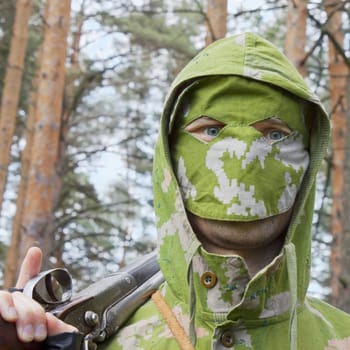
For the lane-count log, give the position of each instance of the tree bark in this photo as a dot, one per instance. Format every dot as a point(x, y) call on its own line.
point(12, 262)
point(39, 200)
point(12, 87)
point(339, 84)
point(70, 87)
point(296, 34)
point(216, 21)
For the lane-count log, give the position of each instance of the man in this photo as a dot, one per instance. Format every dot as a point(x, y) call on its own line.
point(241, 141)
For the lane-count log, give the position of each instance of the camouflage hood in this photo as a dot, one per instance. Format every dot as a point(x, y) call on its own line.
point(213, 298)
point(275, 292)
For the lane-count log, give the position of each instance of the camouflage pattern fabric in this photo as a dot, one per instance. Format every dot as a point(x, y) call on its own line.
point(239, 175)
point(219, 304)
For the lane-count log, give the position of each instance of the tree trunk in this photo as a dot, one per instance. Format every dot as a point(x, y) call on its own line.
point(296, 34)
point(340, 228)
point(39, 200)
point(71, 79)
point(216, 20)
point(12, 262)
point(12, 87)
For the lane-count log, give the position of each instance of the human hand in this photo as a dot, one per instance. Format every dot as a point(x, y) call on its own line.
point(32, 323)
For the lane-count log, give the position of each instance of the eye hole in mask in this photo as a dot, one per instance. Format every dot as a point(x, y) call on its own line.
point(206, 129)
point(273, 129)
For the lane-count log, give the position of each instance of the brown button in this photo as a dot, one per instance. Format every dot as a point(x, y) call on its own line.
point(208, 279)
point(227, 339)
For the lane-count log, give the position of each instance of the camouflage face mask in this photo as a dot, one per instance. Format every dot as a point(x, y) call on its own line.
point(239, 175)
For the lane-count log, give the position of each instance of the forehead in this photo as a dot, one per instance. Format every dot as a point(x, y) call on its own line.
point(238, 101)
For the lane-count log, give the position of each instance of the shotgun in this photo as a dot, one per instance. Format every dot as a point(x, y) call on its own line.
point(97, 311)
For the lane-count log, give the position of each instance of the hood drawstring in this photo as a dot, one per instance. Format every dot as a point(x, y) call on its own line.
point(292, 279)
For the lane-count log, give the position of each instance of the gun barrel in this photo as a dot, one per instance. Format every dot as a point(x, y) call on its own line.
point(101, 296)
point(117, 314)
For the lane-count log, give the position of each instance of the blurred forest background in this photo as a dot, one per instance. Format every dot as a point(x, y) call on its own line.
point(82, 84)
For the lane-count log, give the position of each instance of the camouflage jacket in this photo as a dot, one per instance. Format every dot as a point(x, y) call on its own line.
point(269, 310)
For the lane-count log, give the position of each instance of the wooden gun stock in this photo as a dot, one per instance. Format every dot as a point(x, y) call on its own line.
point(10, 341)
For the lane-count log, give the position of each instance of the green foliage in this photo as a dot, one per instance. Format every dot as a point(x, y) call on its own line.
point(81, 231)
point(153, 33)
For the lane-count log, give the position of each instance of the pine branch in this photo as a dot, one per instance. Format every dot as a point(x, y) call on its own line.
point(323, 27)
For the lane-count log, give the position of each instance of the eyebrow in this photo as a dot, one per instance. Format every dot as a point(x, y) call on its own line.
point(201, 119)
point(275, 122)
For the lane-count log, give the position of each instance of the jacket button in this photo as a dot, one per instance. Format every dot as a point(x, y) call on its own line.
point(208, 279)
point(227, 339)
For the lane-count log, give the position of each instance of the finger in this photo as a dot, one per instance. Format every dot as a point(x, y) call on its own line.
point(30, 267)
point(31, 320)
point(7, 307)
point(56, 326)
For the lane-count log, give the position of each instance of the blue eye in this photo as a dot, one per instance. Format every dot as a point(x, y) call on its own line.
point(213, 131)
point(275, 135)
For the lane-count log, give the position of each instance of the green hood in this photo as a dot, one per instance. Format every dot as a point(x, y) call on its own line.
point(213, 297)
point(285, 281)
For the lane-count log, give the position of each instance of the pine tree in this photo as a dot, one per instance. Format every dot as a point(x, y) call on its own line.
point(216, 20)
point(12, 86)
point(339, 83)
point(296, 34)
point(39, 200)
